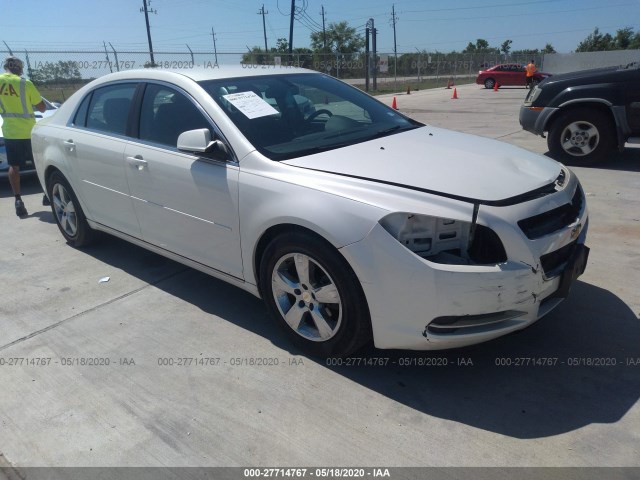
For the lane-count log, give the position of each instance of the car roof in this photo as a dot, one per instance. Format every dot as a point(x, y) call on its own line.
point(201, 74)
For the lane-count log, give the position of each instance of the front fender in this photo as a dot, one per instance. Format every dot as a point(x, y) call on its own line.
point(268, 201)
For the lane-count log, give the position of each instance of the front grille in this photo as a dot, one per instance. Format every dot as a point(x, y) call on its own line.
point(552, 262)
point(553, 220)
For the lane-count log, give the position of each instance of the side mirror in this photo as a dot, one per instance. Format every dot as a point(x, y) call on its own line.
point(199, 141)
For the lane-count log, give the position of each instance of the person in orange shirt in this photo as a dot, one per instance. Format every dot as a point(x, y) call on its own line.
point(530, 69)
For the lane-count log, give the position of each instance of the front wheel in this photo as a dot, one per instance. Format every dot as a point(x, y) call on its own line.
point(68, 213)
point(314, 296)
point(581, 137)
point(489, 83)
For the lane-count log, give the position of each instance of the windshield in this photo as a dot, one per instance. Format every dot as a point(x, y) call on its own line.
point(288, 116)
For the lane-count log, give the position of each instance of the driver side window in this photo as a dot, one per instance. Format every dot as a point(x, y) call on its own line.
point(166, 113)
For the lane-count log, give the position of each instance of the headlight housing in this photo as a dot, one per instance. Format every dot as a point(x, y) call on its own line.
point(533, 95)
point(445, 240)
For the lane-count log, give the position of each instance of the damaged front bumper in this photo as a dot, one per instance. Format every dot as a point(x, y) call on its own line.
point(418, 304)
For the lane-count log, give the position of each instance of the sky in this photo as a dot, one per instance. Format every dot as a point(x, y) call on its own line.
point(421, 24)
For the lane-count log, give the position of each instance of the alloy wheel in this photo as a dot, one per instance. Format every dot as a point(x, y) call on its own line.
point(580, 138)
point(65, 210)
point(306, 297)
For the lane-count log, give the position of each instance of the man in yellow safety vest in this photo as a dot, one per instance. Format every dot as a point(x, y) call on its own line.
point(18, 98)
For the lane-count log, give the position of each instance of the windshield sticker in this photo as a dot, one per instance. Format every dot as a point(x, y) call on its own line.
point(250, 104)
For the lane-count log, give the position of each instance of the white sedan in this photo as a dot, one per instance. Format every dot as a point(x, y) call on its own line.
point(352, 222)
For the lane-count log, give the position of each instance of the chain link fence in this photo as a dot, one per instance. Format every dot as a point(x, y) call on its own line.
point(60, 73)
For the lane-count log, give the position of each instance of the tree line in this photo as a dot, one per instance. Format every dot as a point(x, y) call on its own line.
point(340, 38)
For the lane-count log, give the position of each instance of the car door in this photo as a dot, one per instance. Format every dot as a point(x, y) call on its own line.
point(185, 203)
point(632, 92)
point(512, 75)
point(504, 76)
point(94, 145)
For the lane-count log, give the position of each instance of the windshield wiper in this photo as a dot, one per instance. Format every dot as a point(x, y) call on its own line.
point(346, 132)
point(288, 155)
point(395, 128)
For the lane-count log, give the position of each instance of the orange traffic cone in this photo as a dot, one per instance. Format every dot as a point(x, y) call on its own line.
point(408, 89)
point(450, 83)
point(455, 94)
point(496, 86)
point(394, 105)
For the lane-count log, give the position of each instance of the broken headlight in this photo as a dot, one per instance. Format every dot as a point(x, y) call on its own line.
point(445, 240)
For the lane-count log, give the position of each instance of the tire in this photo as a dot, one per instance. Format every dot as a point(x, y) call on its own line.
point(325, 314)
point(489, 83)
point(67, 211)
point(581, 137)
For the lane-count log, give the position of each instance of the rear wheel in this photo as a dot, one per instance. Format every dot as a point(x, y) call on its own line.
point(314, 296)
point(581, 137)
point(68, 213)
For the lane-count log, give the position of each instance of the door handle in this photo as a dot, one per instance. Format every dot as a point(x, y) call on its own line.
point(137, 161)
point(69, 144)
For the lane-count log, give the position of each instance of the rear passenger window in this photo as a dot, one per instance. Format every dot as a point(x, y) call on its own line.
point(109, 108)
point(80, 120)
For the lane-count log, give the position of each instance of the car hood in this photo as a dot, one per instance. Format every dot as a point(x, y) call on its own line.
point(441, 161)
point(587, 76)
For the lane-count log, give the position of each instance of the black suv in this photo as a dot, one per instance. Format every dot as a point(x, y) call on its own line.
point(588, 114)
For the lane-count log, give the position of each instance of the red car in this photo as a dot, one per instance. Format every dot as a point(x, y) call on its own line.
point(508, 74)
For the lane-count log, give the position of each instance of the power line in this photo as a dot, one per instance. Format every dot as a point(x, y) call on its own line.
point(480, 6)
point(306, 23)
point(527, 14)
point(305, 15)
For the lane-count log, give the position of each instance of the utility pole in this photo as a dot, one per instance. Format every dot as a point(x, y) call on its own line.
point(372, 65)
point(293, 12)
point(367, 57)
point(394, 20)
point(374, 34)
point(264, 27)
point(324, 31)
point(215, 50)
point(146, 10)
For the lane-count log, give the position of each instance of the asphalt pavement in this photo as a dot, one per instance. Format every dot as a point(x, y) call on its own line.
point(163, 366)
